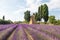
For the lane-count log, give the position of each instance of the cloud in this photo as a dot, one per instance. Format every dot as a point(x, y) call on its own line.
point(14, 9)
point(32, 5)
point(54, 4)
point(11, 9)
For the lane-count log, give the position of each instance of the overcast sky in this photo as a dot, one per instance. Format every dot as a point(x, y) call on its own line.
point(14, 9)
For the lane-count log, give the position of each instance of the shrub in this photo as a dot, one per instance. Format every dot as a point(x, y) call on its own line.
point(5, 22)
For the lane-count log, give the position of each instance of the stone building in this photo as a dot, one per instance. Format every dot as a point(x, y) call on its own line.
point(32, 19)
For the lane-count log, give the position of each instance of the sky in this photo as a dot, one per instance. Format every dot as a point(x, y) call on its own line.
point(14, 9)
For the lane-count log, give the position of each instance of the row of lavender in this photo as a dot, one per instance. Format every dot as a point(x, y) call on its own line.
point(29, 32)
point(47, 32)
point(6, 30)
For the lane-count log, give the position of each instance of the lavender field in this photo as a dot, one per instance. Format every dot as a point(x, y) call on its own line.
point(29, 32)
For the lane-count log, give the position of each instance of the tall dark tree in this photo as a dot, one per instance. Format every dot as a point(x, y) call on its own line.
point(45, 12)
point(41, 11)
point(39, 14)
point(36, 16)
point(27, 16)
point(3, 17)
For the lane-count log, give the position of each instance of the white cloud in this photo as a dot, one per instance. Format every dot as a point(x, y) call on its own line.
point(7, 8)
point(53, 4)
point(32, 5)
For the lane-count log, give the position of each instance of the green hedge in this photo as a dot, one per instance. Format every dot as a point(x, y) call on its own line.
point(5, 22)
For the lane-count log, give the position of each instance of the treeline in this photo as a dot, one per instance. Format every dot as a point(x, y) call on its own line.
point(3, 21)
point(52, 20)
point(42, 13)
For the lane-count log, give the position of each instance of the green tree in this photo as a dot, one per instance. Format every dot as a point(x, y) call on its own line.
point(57, 22)
point(45, 13)
point(39, 14)
point(5, 21)
point(3, 17)
point(27, 16)
point(52, 19)
point(41, 11)
point(36, 16)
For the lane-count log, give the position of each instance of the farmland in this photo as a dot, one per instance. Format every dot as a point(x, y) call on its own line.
point(29, 32)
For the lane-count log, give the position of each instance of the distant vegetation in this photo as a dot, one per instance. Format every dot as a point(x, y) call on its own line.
point(3, 21)
point(27, 16)
point(17, 22)
point(43, 12)
point(52, 20)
